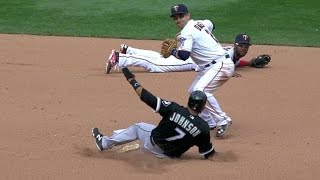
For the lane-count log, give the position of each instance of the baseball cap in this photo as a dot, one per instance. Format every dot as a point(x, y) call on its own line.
point(178, 9)
point(242, 39)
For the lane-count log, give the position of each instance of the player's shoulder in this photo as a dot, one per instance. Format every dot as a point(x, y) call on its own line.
point(169, 104)
point(202, 124)
point(189, 26)
point(205, 22)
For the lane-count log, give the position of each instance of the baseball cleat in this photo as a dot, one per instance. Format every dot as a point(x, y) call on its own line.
point(112, 61)
point(98, 138)
point(222, 130)
point(123, 48)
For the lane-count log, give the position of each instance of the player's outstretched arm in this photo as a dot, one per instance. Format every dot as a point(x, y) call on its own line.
point(144, 95)
point(243, 63)
point(131, 79)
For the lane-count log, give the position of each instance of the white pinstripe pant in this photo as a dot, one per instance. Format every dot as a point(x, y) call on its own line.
point(209, 80)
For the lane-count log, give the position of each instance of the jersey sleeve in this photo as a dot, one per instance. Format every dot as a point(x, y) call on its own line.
point(186, 40)
point(236, 63)
point(149, 99)
point(165, 107)
point(208, 24)
point(230, 51)
point(161, 106)
point(205, 146)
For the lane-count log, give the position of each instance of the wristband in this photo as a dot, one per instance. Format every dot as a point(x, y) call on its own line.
point(134, 83)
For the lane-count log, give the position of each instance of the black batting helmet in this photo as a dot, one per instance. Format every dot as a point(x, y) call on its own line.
point(197, 101)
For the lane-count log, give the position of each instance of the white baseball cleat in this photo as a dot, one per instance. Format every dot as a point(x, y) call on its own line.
point(222, 130)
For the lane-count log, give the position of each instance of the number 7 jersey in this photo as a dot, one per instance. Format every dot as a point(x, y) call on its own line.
point(179, 130)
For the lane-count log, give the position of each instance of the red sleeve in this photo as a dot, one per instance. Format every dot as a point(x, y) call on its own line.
point(243, 63)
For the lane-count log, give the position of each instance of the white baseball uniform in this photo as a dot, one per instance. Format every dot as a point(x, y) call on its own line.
point(153, 61)
point(216, 67)
point(230, 51)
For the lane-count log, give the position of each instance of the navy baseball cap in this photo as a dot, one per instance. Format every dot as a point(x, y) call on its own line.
point(243, 39)
point(179, 9)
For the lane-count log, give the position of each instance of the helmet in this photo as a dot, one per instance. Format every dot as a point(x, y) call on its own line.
point(197, 101)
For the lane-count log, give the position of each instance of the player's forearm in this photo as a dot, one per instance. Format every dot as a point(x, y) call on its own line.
point(138, 89)
point(243, 63)
point(144, 94)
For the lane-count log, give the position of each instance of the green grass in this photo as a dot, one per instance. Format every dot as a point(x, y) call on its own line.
point(281, 22)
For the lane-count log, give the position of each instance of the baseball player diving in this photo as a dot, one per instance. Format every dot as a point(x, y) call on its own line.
point(154, 62)
point(179, 129)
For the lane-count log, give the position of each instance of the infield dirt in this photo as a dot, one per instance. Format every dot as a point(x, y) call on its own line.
point(53, 90)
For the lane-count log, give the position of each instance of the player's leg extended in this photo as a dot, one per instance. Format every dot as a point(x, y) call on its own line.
point(170, 64)
point(148, 63)
point(139, 131)
point(155, 64)
point(142, 52)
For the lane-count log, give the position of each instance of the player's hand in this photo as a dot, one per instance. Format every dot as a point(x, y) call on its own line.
point(210, 154)
point(127, 74)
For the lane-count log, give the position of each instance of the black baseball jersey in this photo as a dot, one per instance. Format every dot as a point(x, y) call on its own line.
point(178, 130)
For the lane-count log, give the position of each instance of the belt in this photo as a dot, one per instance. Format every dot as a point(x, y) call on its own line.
point(213, 62)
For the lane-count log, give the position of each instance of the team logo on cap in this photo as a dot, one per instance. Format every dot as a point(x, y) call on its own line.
point(245, 37)
point(175, 7)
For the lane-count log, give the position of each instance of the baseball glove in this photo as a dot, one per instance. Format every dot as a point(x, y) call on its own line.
point(167, 46)
point(260, 61)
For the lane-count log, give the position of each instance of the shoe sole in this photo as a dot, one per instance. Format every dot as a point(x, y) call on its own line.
point(109, 66)
point(225, 131)
point(98, 147)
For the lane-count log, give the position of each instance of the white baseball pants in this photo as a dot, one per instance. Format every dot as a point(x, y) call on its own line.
point(153, 62)
point(209, 80)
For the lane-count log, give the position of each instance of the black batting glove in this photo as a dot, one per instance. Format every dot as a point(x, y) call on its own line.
point(127, 73)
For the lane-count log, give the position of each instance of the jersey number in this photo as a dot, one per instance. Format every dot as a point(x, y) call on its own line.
point(180, 135)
